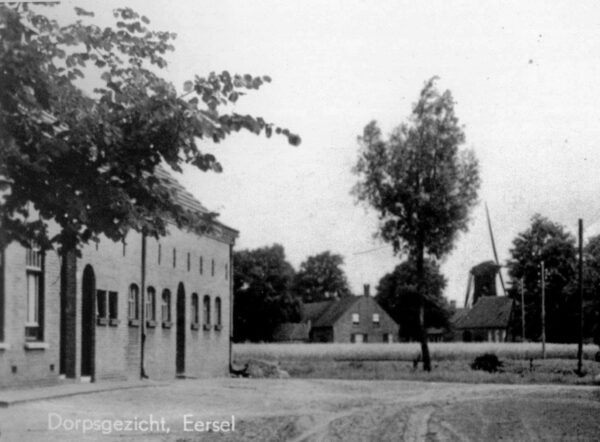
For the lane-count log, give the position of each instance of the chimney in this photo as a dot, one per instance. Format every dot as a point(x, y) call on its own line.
point(367, 290)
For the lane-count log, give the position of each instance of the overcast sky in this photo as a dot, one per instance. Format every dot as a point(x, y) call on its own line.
point(525, 77)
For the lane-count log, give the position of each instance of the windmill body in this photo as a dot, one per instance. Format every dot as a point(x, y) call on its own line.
point(482, 277)
point(486, 315)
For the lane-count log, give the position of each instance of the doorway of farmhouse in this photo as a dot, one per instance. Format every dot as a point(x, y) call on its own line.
point(88, 323)
point(180, 337)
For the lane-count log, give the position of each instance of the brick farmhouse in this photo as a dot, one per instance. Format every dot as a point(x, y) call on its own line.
point(143, 307)
point(349, 319)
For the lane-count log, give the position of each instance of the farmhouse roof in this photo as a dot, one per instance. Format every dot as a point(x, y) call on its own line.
point(488, 312)
point(185, 199)
point(182, 196)
point(311, 311)
point(326, 313)
point(458, 316)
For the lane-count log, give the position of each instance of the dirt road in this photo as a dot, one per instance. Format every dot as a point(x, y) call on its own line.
point(314, 410)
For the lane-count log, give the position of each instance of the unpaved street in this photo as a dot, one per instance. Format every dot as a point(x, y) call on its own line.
point(317, 410)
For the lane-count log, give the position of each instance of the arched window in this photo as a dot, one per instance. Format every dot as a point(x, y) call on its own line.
point(150, 304)
point(195, 309)
point(206, 312)
point(134, 294)
point(166, 306)
point(218, 323)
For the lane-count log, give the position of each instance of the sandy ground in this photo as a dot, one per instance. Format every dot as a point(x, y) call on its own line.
point(317, 410)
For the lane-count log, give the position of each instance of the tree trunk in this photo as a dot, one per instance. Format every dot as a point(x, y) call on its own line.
point(420, 290)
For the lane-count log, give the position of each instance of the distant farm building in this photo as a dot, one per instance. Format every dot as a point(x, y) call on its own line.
point(488, 320)
point(349, 319)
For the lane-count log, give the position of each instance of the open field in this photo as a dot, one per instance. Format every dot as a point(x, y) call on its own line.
point(302, 410)
point(408, 351)
point(522, 363)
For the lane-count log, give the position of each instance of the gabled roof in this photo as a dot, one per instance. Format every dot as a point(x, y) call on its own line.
point(458, 316)
point(488, 312)
point(185, 199)
point(311, 311)
point(326, 313)
point(182, 196)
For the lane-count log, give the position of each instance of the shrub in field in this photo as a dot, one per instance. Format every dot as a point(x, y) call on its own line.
point(488, 362)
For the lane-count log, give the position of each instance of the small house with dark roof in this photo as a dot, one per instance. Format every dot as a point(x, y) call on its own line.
point(349, 319)
point(488, 320)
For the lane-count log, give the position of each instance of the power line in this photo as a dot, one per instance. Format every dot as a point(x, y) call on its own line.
point(371, 250)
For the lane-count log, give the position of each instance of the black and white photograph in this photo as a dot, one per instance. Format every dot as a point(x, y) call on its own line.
point(303, 221)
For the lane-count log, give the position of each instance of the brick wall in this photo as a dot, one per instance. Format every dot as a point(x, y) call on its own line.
point(117, 351)
point(206, 351)
point(20, 365)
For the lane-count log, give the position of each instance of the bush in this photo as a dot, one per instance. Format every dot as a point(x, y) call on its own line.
point(488, 362)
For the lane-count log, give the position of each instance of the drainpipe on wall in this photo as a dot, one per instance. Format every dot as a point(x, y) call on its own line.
point(230, 307)
point(143, 310)
point(2, 301)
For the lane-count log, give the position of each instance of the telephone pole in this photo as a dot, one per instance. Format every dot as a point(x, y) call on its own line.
point(580, 283)
point(543, 312)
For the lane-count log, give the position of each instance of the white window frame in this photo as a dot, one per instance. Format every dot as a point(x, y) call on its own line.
point(218, 311)
point(166, 305)
point(34, 283)
point(206, 319)
point(355, 318)
point(101, 299)
point(132, 302)
point(195, 308)
point(112, 300)
point(150, 304)
point(33, 298)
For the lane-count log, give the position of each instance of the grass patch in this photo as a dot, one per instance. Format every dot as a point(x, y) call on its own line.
point(522, 363)
point(513, 372)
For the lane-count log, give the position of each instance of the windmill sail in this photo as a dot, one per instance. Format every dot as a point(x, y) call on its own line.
point(487, 212)
point(468, 290)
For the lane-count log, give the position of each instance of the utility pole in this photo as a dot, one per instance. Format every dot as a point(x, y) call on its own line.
point(580, 343)
point(543, 312)
point(522, 290)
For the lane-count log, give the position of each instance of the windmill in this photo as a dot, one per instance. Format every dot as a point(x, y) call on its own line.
point(482, 277)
